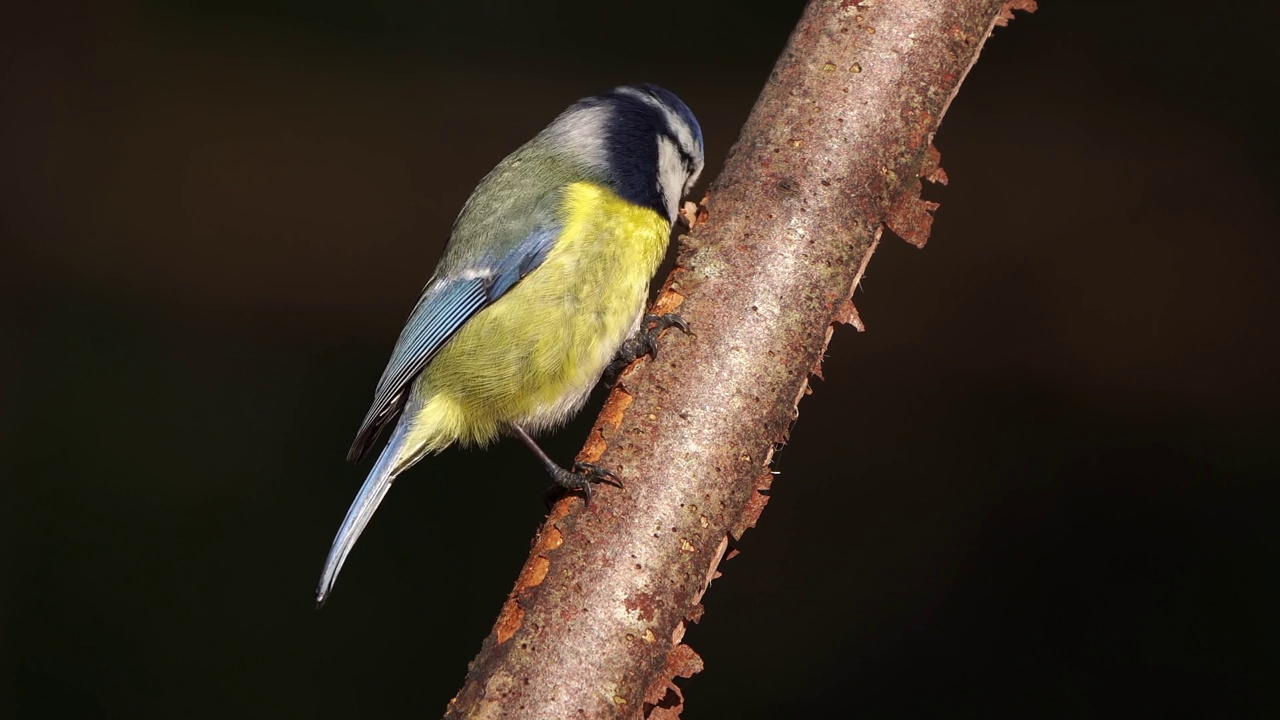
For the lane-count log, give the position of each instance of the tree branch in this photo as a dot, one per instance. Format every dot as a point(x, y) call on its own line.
point(832, 153)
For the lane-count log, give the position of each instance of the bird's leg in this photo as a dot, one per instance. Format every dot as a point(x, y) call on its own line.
point(644, 342)
point(579, 478)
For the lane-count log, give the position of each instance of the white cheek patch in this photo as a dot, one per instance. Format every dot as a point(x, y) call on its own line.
point(584, 131)
point(671, 178)
point(693, 178)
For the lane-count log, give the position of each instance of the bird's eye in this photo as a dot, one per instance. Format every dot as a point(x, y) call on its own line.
point(686, 160)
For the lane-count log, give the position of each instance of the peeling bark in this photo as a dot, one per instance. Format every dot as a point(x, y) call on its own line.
point(832, 154)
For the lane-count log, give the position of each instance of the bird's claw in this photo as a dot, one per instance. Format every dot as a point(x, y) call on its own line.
point(666, 320)
point(580, 479)
point(644, 342)
point(597, 474)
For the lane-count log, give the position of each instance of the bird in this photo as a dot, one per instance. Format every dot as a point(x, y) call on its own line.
point(542, 285)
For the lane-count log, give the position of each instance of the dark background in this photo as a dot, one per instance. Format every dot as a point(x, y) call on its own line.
point(1037, 486)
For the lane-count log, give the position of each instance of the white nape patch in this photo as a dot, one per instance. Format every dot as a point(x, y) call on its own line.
point(583, 131)
point(677, 124)
point(671, 175)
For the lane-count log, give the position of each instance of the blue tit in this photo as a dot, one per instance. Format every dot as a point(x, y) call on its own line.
point(545, 277)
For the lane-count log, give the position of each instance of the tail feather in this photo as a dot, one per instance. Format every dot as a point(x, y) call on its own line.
point(362, 508)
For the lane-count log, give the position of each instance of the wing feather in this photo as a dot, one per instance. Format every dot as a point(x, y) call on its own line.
point(445, 306)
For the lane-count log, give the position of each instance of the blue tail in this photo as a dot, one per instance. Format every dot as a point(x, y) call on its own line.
point(362, 508)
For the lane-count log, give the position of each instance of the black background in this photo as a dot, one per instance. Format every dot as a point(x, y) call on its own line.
point(1035, 487)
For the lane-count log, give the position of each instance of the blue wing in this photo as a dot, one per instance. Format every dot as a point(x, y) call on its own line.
point(448, 301)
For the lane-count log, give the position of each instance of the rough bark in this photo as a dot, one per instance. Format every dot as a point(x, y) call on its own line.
point(832, 154)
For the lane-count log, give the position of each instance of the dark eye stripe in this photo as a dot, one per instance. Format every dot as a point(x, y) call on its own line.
point(686, 158)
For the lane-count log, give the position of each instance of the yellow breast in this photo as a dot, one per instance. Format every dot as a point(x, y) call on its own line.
point(533, 356)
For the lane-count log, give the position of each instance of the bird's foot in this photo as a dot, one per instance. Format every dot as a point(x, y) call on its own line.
point(644, 342)
point(580, 478)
